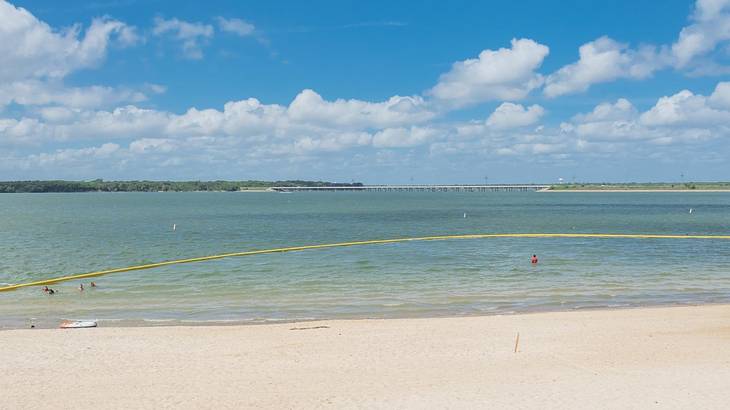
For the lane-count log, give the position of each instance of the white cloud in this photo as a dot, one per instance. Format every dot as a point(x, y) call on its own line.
point(711, 26)
point(36, 58)
point(311, 107)
point(25, 131)
point(255, 131)
point(235, 26)
point(684, 118)
point(504, 74)
point(152, 145)
point(308, 116)
point(403, 137)
point(56, 114)
point(190, 34)
point(65, 157)
point(43, 52)
point(604, 59)
point(36, 92)
point(622, 109)
point(128, 36)
point(509, 115)
point(684, 108)
point(600, 61)
point(248, 133)
point(607, 121)
point(331, 142)
point(720, 98)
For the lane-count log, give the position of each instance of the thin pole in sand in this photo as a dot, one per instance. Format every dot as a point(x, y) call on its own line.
point(517, 341)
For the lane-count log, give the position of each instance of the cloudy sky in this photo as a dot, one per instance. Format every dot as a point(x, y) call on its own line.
point(423, 92)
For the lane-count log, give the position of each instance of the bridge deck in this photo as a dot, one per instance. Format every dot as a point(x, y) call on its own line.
point(413, 188)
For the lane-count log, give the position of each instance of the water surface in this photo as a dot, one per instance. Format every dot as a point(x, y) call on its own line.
point(47, 235)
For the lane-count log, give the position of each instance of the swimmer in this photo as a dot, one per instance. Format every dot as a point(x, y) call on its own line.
point(45, 289)
point(93, 285)
point(534, 260)
point(81, 287)
point(51, 291)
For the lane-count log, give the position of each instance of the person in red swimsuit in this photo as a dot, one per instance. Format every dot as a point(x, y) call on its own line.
point(534, 259)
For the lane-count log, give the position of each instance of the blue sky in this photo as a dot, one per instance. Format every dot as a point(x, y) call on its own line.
point(379, 92)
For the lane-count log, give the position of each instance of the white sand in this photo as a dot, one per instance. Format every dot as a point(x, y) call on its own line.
point(639, 358)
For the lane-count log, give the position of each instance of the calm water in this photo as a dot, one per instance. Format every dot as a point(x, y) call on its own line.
point(47, 235)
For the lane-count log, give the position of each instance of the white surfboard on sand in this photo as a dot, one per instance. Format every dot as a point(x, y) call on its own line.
point(77, 324)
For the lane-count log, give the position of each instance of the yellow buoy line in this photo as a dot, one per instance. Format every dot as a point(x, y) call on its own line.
point(343, 244)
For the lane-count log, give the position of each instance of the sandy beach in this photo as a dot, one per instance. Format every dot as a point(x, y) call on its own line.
point(674, 357)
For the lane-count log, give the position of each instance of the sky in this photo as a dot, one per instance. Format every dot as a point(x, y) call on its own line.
point(374, 92)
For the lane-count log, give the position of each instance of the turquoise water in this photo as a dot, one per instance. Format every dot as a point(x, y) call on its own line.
point(47, 235)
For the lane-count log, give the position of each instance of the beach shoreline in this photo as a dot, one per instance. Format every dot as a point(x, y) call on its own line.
point(667, 357)
point(50, 324)
point(634, 190)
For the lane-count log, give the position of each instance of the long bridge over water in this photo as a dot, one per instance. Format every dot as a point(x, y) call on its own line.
point(416, 188)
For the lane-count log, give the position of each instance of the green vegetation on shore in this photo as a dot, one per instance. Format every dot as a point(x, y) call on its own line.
point(100, 185)
point(648, 186)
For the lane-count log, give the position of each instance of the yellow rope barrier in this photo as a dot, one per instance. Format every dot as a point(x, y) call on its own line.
point(342, 244)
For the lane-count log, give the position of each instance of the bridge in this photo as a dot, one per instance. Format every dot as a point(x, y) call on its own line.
point(416, 188)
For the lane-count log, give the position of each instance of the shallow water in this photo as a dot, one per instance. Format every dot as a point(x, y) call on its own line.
point(47, 235)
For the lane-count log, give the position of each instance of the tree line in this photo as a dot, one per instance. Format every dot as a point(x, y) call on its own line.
point(99, 185)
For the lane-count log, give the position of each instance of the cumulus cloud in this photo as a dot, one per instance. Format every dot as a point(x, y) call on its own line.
point(249, 132)
point(190, 35)
point(37, 57)
point(308, 115)
point(720, 98)
point(403, 137)
point(65, 157)
point(605, 59)
point(601, 61)
point(509, 115)
point(622, 109)
point(37, 92)
point(685, 108)
point(43, 52)
point(311, 107)
point(504, 74)
point(681, 118)
point(152, 145)
point(710, 26)
point(676, 125)
point(235, 26)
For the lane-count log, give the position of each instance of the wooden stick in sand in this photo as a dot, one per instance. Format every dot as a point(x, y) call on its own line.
point(517, 341)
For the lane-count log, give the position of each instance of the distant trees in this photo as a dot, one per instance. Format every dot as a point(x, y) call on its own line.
point(99, 185)
point(644, 186)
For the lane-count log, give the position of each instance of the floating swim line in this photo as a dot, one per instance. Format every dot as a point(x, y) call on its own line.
point(357, 243)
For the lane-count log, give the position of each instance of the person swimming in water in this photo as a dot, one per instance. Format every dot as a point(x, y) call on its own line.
point(534, 260)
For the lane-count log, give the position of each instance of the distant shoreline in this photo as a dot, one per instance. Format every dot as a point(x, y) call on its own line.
point(634, 190)
point(99, 185)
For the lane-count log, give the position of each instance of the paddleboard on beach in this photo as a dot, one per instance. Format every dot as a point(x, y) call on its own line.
point(77, 324)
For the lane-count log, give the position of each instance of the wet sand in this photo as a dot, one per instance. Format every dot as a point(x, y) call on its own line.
point(674, 357)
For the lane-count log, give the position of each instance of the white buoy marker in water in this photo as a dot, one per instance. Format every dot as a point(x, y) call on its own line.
point(690, 210)
point(174, 227)
point(464, 214)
